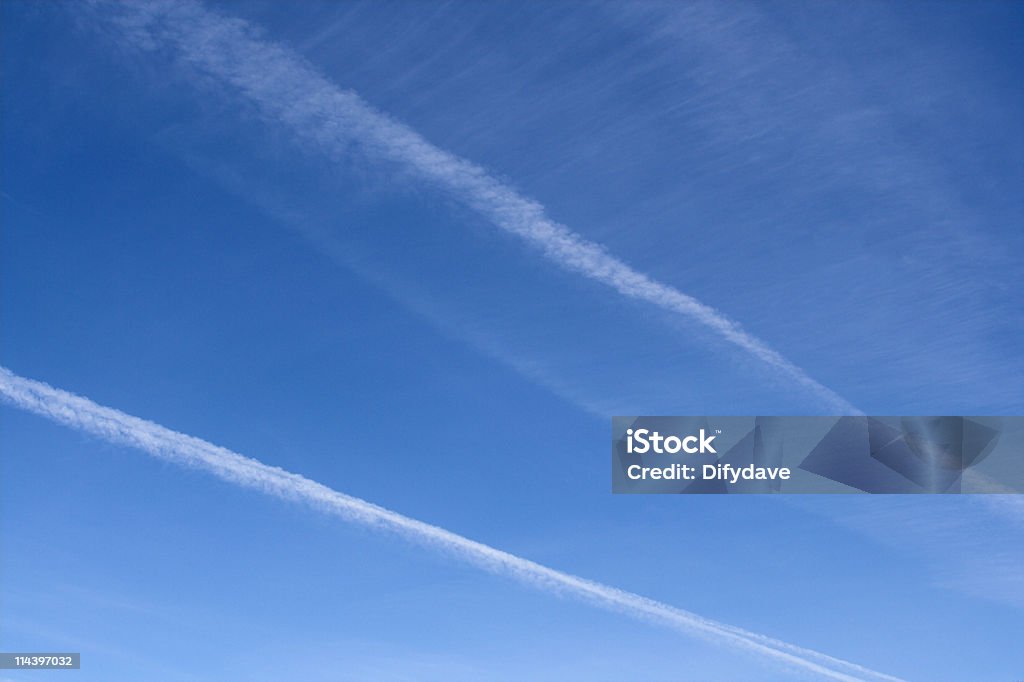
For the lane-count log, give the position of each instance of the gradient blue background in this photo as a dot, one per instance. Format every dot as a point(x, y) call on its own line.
point(842, 178)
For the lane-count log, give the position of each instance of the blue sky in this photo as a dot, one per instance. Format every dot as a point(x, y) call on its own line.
point(841, 179)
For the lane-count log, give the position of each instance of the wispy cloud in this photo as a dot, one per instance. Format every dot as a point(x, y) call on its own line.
point(881, 166)
point(339, 123)
point(117, 427)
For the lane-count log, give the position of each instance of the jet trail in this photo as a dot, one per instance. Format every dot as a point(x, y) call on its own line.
point(117, 427)
point(286, 89)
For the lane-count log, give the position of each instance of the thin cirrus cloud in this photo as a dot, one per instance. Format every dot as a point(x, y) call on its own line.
point(338, 122)
point(117, 427)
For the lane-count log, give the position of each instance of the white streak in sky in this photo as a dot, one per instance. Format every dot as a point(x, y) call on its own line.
point(117, 427)
point(288, 90)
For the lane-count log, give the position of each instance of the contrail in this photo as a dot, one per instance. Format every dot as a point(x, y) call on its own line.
point(117, 427)
point(337, 122)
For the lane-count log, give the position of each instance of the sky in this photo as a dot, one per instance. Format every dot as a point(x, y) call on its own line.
point(421, 252)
